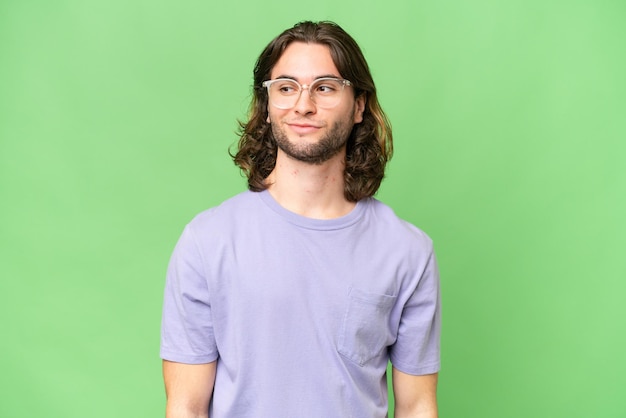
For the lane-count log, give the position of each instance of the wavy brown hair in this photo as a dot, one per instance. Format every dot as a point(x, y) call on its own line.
point(370, 144)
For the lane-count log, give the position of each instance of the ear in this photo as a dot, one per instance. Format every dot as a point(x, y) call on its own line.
point(359, 108)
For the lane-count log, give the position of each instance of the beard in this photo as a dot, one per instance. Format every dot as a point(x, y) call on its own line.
point(333, 142)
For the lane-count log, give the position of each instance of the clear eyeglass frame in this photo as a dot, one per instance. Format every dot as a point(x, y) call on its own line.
point(290, 99)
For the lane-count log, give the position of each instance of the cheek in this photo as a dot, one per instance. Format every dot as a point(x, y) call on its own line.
point(275, 114)
point(270, 116)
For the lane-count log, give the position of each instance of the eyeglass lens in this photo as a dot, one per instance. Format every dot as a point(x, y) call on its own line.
point(326, 93)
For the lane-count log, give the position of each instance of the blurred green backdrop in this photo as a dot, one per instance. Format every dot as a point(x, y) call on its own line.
point(510, 122)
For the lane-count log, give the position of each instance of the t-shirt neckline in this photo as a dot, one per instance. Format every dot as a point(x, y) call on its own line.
point(310, 223)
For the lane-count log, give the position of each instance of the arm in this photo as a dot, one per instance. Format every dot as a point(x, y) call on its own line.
point(188, 388)
point(415, 396)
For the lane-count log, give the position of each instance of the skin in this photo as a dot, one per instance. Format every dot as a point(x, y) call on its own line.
point(307, 133)
point(308, 180)
point(188, 388)
point(332, 143)
point(308, 177)
point(414, 396)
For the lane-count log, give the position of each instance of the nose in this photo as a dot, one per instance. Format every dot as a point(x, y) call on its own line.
point(305, 105)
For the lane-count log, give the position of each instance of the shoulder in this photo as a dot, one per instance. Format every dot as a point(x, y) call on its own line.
point(236, 207)
point(404, 232)
point(233, 222)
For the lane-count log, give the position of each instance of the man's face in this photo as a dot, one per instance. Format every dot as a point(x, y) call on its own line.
point(306, 132)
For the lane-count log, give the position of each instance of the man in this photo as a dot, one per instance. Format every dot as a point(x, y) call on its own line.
point(289, 299)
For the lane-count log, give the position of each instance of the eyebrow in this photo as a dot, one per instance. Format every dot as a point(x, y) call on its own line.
point(316, 78)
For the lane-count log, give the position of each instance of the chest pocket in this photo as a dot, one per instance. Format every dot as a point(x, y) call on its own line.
point(365, 330)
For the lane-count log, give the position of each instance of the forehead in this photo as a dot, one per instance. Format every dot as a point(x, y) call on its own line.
point(305, 62)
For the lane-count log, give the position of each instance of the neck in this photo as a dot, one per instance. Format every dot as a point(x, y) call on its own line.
point(314, 191)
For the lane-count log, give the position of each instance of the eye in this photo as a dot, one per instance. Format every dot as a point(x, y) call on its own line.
point(327, 87)
point(285, 87)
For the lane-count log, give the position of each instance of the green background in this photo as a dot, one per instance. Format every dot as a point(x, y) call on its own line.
point(510, 122)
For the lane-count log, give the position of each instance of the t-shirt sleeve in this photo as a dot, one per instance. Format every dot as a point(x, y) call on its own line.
point(186, 328)
point(417, 348)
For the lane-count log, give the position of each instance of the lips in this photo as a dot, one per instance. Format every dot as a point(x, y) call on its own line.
point(303, 127)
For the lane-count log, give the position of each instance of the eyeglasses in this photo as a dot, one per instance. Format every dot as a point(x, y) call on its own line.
point(325, 92)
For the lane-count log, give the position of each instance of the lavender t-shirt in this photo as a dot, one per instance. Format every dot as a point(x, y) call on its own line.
point(302, 315)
